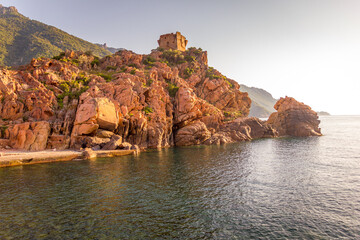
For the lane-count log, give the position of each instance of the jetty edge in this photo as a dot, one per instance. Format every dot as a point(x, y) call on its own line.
point(16, 158)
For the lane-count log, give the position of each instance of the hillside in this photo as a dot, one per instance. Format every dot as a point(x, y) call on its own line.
point(22, 39)
point(262, 104)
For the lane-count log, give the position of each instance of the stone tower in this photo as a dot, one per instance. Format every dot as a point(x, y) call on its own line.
point(174, 41)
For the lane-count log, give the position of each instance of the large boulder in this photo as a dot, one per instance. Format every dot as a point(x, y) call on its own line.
point(30, 136)
point(114, 143)
point(107, 117)
point(294, 118)
point(95, 113)
point(194, 133)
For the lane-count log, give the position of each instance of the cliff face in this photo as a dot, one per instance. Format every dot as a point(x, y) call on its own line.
point(76, 100)
point(127, 101)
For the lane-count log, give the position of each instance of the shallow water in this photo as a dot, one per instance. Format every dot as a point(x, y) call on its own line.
point(288, 188)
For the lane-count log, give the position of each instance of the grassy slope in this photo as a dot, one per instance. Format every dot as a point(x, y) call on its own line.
point(22, 39)
point(262, 101)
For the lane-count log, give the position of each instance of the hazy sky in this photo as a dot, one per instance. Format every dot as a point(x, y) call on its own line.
point(307, 49)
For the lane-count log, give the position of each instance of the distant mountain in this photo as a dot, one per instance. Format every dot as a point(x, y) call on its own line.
point(262, 104)
point(22, 39)
point(322, 113)
point(111, 49)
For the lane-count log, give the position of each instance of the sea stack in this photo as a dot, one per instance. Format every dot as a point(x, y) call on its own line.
point(294, 118)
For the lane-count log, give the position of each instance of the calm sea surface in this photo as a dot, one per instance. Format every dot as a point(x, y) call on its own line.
point(289, 188)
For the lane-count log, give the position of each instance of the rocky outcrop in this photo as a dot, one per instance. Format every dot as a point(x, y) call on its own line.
point(242, 129)
point(126, 101)
point(193, 134)
point(29, 136)
point(294, 118)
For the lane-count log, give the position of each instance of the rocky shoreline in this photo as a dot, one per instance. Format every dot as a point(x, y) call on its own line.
point(129, 101)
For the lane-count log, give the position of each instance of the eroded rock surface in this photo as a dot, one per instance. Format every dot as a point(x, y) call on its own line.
point(294, 118)
point(30, 136)
point(128, 100)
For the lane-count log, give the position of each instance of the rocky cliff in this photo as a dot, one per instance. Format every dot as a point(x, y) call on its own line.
point(125, 100)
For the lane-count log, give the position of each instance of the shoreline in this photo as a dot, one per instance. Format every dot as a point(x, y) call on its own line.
point(17, 158)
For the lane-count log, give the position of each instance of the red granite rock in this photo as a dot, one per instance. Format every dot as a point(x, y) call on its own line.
point(294, 118)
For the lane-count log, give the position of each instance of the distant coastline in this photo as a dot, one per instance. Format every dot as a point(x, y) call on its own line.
point(323, 113)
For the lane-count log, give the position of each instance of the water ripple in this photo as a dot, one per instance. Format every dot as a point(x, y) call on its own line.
point(287, 188)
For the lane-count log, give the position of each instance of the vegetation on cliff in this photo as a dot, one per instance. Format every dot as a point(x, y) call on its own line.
point(128, 100)
point(152, 100)
point(22, 39)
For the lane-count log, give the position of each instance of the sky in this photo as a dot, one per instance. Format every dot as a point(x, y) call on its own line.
point(306, 49)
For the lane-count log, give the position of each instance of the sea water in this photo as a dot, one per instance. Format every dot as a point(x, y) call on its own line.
point(286, 188)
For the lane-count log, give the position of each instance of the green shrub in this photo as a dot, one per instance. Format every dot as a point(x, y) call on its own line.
point(60, 56)
point(210, 73)
point(172, 88)
point(189, 58)
point(165, 61)
point(111, 68)
point(71, 95)
point(198, 51)
point(133, 71)
point(195, 50)
point(148, 110)
point(84, 80)
point(75, 62)
point(132, 65)
point(89, 53)
point(188, 72)
point(65, 87)
point(173, 56)
point(107, 77)
point(96, 61)
point(3, 129)
point(229, 83)
point(149, 61)
point(232, 115)
point(149, 82)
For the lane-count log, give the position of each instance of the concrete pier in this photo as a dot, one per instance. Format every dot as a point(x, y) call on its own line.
point(15, 158)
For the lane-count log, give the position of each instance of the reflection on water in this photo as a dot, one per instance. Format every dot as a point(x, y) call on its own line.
point(306, 188)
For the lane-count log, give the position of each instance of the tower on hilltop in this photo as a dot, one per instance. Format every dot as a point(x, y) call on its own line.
point(174, 41)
